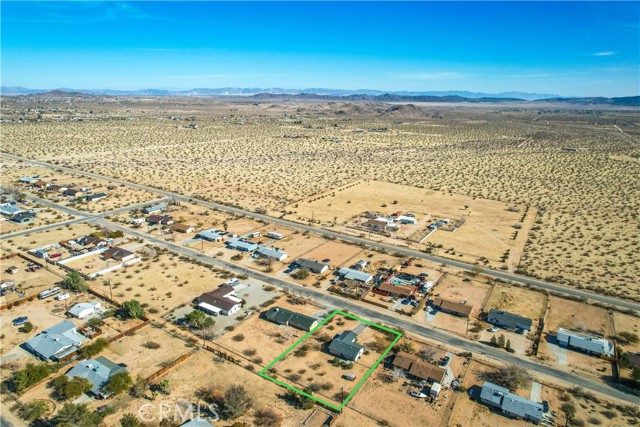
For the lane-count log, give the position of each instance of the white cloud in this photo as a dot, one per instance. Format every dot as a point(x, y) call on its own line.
point(606, 53)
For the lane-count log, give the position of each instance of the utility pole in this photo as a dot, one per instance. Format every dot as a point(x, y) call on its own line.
point(110, 290)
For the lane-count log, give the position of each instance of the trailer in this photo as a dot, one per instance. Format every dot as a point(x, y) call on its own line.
point(274, 235)
point(49, 292)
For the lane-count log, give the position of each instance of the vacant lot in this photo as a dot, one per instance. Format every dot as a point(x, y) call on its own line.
point(517, 301)
point(337, 253)
point(579, 316)
point(29, 282)
point(453, 288)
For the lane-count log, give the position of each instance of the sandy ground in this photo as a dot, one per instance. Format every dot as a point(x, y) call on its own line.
point(517, 301)
point(29, 282)
point(274, 156)
point(41, 238)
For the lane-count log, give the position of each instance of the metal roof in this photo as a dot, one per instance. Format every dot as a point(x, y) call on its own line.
point(508, 320)
point(351, 274)
point(510, 403)
point(272, 253)
point(55, 340)
point(282, 316)
point(97, 371)
point(344, 345)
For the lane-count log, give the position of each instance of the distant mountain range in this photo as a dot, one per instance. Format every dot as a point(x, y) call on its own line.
point(337, 95)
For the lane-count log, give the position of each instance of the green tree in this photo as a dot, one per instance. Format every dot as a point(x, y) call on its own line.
point(66, 388)
point(74, 282)
point(569, 412)
point(635, 374)
point(30, 375)
point(118, 384)
point(94, 348)
point(33, 411)
point(131, 310)
point(511, 377)
point(493, 341)
point(198, 320)
point(130, 420)
point(300, 274)
point(508, 347)
point(236, 402)
point(501, 341)
point(72, 415)
point(27, 327)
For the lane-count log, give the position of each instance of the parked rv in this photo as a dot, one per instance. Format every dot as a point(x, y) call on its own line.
point(49, 292)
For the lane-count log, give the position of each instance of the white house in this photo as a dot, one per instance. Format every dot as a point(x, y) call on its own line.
point(85, 309)
point(272, 253)
point(221, 301)
point(588, 343)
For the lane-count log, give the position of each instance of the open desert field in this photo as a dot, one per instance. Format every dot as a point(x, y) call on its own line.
point(41, 238)
point(272, 156)
point(516, 300)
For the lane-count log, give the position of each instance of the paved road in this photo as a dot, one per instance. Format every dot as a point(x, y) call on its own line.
point(80, 216)
point(382, 316)
point(373, 313)
point(352, 239)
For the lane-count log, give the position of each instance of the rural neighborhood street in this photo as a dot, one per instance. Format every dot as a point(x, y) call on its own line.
point(352, 239)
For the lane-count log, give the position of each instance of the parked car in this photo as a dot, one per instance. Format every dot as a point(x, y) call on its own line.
point(466, 279)
point(428, 309)
point(62, 296)
point(444, 361)
point(20, 320)
point(493, 329)
point(53, 256)
point(406, 301)
point(417, 394)
point(415, 303)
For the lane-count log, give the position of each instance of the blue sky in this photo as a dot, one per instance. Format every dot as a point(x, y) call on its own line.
point(574, 48)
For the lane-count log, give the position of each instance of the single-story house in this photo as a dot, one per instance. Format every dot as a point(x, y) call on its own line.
point(85, 309)
point(24, 217)
point(376, 225)
point(211, 235)
point(510, 404)
point(591, 344)
point(406, 219)
point(345, 347)
point(71, 192)
point(28, 179)
point(182, 228)
point(12, 270)
point(418, 368)
point(508, 320)
point(56, 187)
point(272, 253)
point(97, 371)
point(312, 265)
point(58, 343)
point(155, 208)
point(40, 184)
point(452, 307)
point(388, 288)
point(11, 209)
point(351, 274)
point(118, 254)
point(242, 245)
point(435, 389)
point(91, 242)
point(94, 197)
point(282, 316)
point(160, 220)
point(222, 300)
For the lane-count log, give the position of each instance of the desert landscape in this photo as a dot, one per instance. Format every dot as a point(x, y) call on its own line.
point(561, 166)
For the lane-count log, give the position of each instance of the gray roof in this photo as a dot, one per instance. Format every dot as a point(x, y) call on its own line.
point(510, 403)
point(242, 245)
point(312, 265)
point(351, 274)
point(584, 341)
point(56, 341)
point(21, 216)
point(344, 345)
point(9, 209)
point(211, 234)
point(155, 208)
point(508, 320)
point(271, 253)
point(282, 316)
point(96, 196)
point(81, 306)
point(97, 371)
